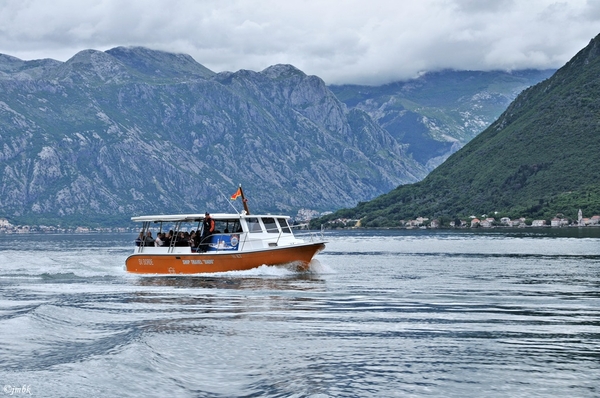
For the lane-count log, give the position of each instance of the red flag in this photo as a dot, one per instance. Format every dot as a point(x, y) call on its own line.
point(236, 194)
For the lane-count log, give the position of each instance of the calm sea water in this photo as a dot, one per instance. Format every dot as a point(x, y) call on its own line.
point(381, 314)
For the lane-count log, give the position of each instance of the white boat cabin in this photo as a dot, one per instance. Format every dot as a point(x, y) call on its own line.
point(233, 233)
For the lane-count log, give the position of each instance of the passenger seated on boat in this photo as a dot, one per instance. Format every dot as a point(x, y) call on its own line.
point(149, 239)
point(194, 239)
point(181, 241)
point(139, 239)
point(167, 238)
point(159, 241)
point(186, 236)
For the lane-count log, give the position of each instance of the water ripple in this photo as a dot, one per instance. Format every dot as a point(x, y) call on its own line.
point(382, 315)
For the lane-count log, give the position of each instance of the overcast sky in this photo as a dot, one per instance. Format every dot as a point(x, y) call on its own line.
point(341, 41)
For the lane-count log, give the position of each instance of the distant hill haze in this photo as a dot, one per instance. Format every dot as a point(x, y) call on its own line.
point(130, 131)
point(537, 160)
point(439, 112)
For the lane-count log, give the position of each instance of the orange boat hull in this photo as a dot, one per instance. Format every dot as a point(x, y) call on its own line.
point(195, 263)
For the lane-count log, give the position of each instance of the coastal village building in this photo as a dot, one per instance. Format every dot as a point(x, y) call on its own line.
point(421, 220)
point(4, 223)
point(416, 222)
point(518, 222)
point(559, 222)
point(487, 223)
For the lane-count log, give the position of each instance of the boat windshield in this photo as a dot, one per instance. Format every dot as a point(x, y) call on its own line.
point(253, 224)
point(270, 225)
point(228, 226)
point(285, 228)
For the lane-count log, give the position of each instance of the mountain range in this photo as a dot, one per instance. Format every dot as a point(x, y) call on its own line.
point(537, 160)
point(129, 131)
point(437, 113)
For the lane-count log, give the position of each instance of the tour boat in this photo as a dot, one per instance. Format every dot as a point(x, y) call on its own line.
point(236, 242)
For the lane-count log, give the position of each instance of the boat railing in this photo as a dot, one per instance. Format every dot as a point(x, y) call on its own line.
point(308, 235)
point(278, 237)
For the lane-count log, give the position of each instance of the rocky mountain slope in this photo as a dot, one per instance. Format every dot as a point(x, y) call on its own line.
point(130, 131)
point(536, 160)
point(439, 112)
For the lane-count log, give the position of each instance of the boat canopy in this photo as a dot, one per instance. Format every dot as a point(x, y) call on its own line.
point(199, 217)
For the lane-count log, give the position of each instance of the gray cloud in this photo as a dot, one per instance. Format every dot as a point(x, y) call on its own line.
point(350, 41)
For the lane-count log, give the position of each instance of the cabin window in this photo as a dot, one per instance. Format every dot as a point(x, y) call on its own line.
point(284, 225)
point(227, 226)
point(270, 225)
point(253, 225)
point(234, 226)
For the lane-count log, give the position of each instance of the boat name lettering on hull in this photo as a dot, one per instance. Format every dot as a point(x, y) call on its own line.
point(145, 261)
point(197, 262)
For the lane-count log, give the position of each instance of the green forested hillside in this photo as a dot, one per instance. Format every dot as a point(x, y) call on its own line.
point(538, 159)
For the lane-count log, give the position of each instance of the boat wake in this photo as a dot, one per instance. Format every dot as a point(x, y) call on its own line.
point(262, 271)
point(317, 267)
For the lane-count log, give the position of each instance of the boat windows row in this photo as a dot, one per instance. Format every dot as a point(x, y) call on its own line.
point(270, 225)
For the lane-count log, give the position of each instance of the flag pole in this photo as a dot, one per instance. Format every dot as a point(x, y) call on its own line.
point(230, 204)
point(244, 201)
